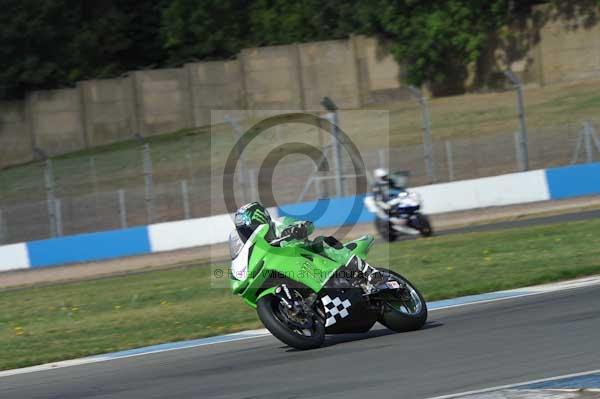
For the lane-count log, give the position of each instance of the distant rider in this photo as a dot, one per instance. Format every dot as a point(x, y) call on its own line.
point(385, 191)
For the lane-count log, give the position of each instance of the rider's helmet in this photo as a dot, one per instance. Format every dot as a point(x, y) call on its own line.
point(249, 217)
point(381, 175)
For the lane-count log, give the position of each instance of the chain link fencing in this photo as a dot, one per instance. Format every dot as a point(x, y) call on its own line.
point(173, 180)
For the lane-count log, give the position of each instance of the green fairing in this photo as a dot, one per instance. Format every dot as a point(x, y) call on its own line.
point(338, 255)
point(295, 262)
point(287, 221)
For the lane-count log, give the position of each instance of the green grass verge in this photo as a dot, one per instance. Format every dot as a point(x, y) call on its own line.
point(62, 321)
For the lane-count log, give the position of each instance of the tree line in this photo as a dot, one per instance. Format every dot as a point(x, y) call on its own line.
point(46, 44)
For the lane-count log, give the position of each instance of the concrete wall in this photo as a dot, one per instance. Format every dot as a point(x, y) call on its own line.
point(329, 68)
point(15, 134)
point(570, 45)
point(557, 44)
point(163, 101)
point(379, 75)
point(109, 109)
point(57, 120)
point(272, 77)
point(215, 85)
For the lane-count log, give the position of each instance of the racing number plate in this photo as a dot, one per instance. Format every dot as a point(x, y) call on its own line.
point(392, 284)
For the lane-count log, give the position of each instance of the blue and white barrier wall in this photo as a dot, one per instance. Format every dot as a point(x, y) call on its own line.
point(573, 181)
point(515, 188)
point(14, 256)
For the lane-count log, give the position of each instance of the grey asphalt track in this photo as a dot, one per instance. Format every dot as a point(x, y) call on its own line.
point(529, 222)
point(510, 224)
point(461, 349)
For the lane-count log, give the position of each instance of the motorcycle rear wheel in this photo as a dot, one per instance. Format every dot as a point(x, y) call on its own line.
point(273, 319)
point(426, 230)
point(412, 317)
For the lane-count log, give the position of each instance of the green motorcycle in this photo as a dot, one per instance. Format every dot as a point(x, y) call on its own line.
point(301, 294)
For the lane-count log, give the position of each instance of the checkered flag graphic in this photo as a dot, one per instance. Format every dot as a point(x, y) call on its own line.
point(335, 307)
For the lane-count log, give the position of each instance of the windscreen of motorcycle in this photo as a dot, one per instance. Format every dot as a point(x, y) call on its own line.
point(399, 179)
point(408, 200)
point(235, 244)
point(240, 254)
point(240, 251)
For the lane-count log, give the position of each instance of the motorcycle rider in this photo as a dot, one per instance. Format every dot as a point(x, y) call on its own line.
point(383, 186)
point(382, 190)
point(290, 232)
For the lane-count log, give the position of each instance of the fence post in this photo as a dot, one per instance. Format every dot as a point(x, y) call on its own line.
point(521, 111)
point(122, 208)
point(189, 160)
point(577, 149)
point(337, 153)
point(594, 136)
point(149, 193)
point(588, 139)
point(50, 199)
point(58, 214)
point(3, 232)
point(336, 145)
point(427, 144)
point(93, 174)
point(450, 159)
point(185, 199)
point(237, 137)
point(521, 162)
point(587, 135)
point(320, 184)
point(94, 177)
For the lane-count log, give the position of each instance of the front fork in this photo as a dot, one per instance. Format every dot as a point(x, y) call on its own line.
point(296, 304)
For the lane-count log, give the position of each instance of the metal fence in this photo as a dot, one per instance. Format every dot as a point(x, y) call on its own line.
point(172, 181)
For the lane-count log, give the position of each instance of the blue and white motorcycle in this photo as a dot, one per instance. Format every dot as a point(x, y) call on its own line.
point(401, 215)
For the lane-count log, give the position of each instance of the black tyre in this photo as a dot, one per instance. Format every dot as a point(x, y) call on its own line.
point(275, 321)
point(425, 226)
point(385, 230)
point(399, 315)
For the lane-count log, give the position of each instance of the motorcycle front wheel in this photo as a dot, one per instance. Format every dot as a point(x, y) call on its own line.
point(273, 315)
point(384, 228)
point(406, 313)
